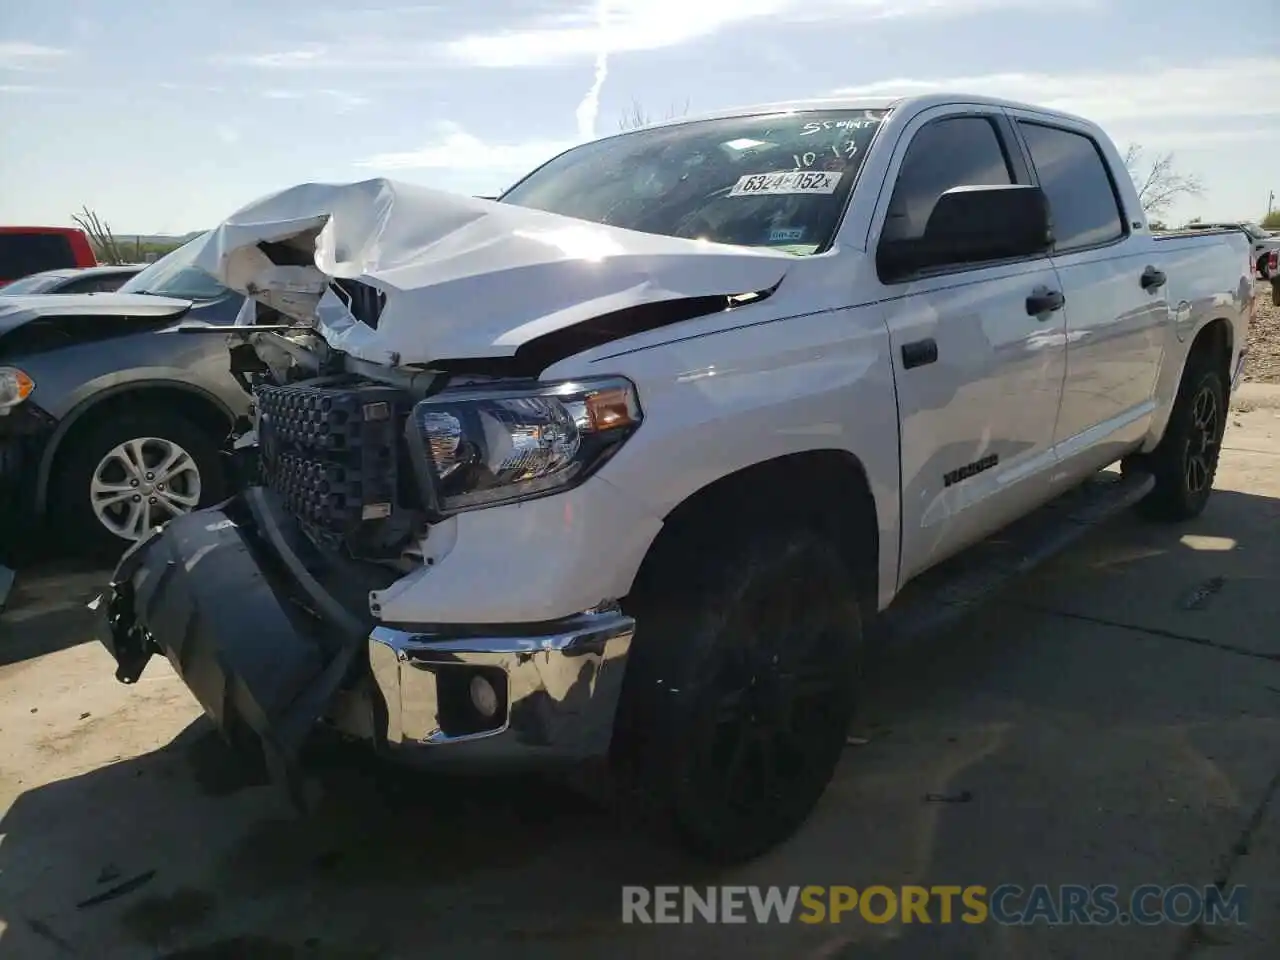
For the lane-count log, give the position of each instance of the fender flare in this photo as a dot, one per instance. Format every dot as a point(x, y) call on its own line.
point(45, 469)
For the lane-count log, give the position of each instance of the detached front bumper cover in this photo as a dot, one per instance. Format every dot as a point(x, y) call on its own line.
point(197, 593)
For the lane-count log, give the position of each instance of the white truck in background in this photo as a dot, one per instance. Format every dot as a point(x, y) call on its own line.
point(1265, 247)
point(626, 466)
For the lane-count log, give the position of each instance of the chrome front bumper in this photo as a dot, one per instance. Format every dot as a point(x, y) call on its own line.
point(557, 690)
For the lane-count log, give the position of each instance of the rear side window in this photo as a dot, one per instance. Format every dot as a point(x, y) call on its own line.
point(22, 254)
point(98, 283)
point(953, 152)
point(81, 285)
point(1073, 174)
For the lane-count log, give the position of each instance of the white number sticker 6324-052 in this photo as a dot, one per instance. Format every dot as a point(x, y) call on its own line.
point(787, 181)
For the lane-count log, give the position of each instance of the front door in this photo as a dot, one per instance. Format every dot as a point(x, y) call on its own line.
point(978, 350)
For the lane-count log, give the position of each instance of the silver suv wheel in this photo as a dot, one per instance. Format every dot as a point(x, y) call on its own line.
point(142, 483)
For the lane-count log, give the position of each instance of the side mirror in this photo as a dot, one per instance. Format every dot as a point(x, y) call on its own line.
point(975, 224)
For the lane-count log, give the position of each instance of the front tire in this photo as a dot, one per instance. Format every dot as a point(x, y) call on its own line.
point(127, 473)
point(740, 689)
point(1186, 461)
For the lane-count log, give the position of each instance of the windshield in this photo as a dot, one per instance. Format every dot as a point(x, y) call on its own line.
point(36, 283)
point(779, 180)
point(1253, 230)
point(173, 276)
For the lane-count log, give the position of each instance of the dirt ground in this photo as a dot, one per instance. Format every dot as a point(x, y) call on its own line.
point(1263, 364)
point(1115, 718)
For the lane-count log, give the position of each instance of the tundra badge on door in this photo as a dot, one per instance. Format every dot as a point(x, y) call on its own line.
point(969, 470)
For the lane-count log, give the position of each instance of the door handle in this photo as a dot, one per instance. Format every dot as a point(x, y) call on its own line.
point(919, 353)
point(1152, 279)
point(1043, 300)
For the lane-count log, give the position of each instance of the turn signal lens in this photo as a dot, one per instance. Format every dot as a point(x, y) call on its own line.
point(611, 408)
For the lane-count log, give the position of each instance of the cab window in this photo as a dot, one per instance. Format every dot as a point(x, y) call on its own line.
point(1074, 176)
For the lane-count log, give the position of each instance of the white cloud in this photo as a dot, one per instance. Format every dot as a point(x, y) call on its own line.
point(656, 24)
point(227, 133)
point(457, 150)
point(15, 55)
point(589, 108)
point(342, 101)
point(190, 87)
point(309, 57)
point(579, 35)
point(1154, 97)
point(20, 88)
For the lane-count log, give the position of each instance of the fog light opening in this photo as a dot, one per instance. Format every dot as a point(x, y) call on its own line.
point(484, 697)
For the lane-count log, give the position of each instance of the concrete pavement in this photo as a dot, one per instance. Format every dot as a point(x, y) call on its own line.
point(1114, 718)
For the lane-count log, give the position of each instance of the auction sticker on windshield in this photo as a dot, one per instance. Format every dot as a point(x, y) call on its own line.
point(787, 182)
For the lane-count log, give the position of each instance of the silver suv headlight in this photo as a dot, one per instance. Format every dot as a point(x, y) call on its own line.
point(15, 386)
point(479, 446)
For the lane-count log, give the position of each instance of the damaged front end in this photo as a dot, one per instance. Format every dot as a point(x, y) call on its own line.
point(266, 604)
point(274, 635)
point(395, 374)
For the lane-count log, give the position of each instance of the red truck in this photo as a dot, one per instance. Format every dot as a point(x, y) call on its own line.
point(28, 250)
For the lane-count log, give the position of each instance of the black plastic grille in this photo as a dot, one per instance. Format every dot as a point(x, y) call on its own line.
point(332, 454)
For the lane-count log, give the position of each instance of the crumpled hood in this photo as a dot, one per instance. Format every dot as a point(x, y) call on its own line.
point(16, 311)
point(463, 277)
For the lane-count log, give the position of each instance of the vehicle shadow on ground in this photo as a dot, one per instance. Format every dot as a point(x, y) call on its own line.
point(1021, 747)
point(47, 608)
point(223, 854)
point(1112, 718)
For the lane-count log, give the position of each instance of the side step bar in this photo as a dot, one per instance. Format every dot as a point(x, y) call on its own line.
point(942, 596)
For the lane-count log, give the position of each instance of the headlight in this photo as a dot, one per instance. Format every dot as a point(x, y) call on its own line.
point(15, 386)
point(484, 445)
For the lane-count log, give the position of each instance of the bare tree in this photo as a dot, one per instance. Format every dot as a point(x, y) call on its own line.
point(1158, 181)
point(100, 235)
point(637, 117)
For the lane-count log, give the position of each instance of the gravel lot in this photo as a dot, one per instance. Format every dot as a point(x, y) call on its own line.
point(1115, 718)
point(1263, 365)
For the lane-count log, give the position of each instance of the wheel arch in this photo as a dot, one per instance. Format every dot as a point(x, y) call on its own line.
point(1213, 340)
point(826, 488)
point(197, 404)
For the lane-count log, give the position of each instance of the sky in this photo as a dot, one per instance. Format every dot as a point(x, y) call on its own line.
point(166, 116)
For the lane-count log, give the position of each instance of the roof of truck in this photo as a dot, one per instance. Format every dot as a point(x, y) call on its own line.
point(879, 102)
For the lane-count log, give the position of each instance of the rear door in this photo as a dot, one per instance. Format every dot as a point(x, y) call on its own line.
point(1117, 312)
point(978, 371)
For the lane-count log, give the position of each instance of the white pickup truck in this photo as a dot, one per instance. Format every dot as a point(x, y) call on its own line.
point(630, 464)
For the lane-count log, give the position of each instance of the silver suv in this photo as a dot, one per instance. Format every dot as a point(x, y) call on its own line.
point(110, 420)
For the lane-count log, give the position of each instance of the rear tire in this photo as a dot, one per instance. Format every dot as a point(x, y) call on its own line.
point(1186, 461)
point(95, 460)
point(739, 690)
